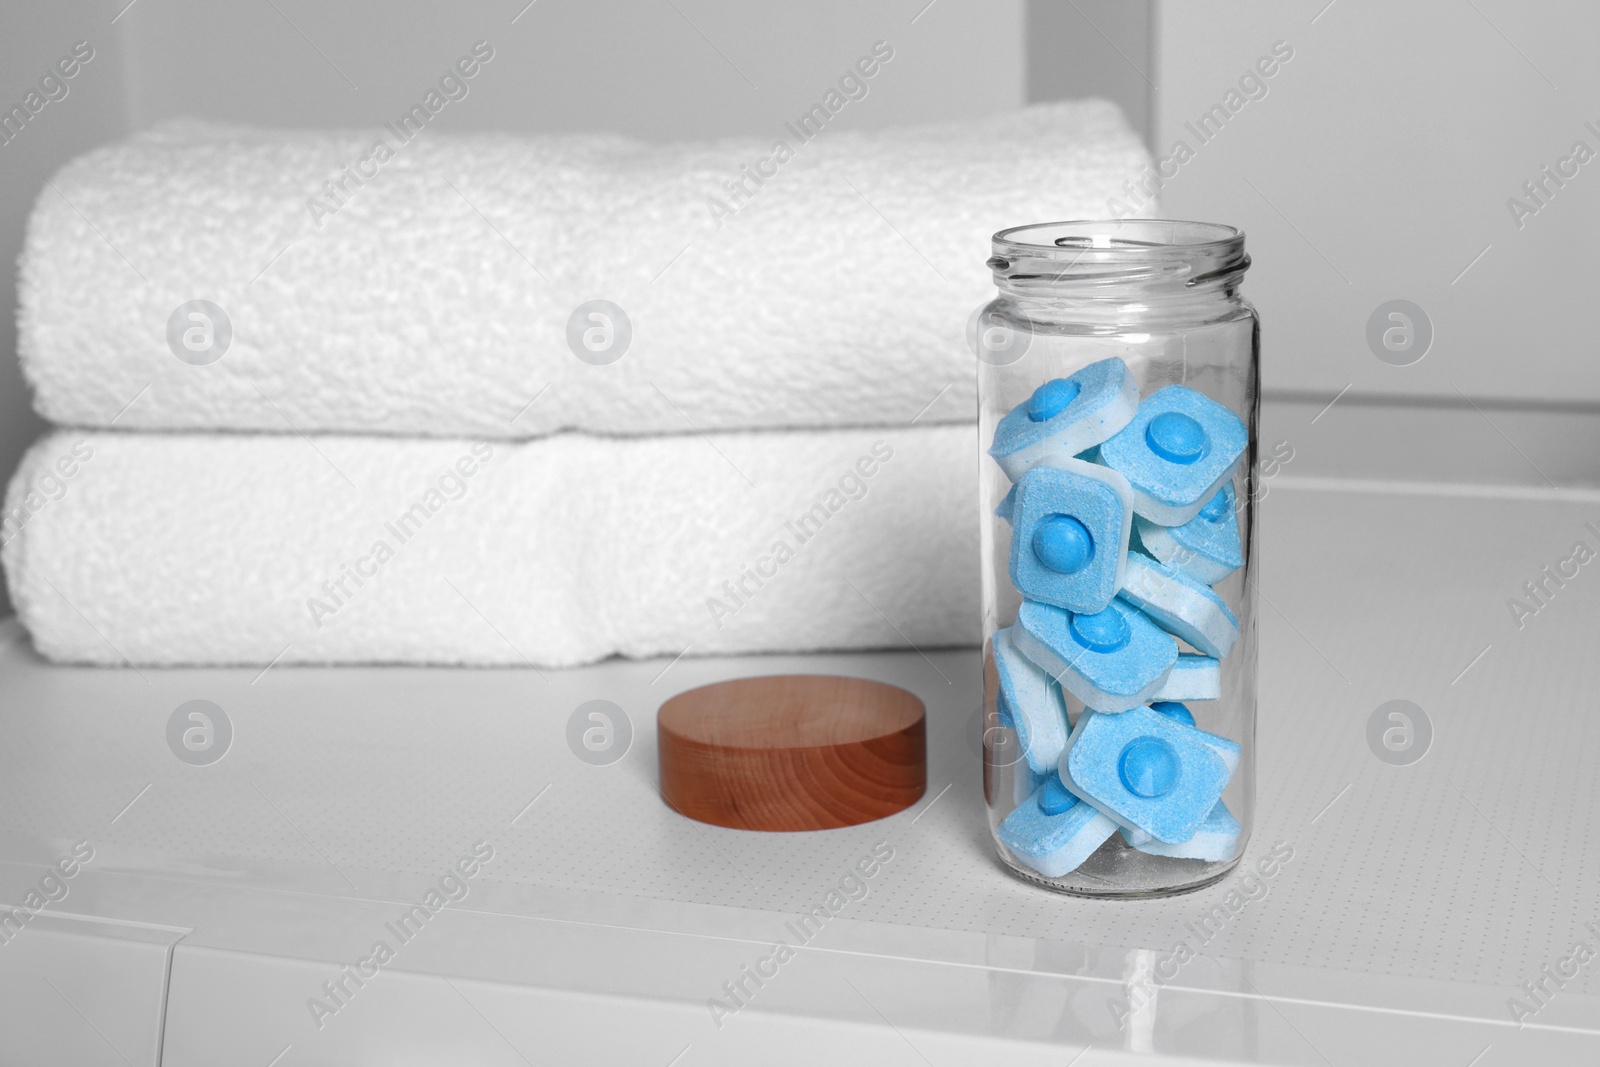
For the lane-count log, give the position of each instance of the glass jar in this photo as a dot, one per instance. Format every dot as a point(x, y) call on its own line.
point(1117, 407)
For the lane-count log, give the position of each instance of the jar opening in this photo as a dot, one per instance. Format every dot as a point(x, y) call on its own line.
point(1116, 251)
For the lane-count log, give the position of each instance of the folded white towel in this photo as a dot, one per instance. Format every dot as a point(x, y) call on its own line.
point(236, 548)
point(435, 297)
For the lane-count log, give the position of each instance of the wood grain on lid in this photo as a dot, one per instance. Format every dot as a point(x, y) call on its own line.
point(792, 752)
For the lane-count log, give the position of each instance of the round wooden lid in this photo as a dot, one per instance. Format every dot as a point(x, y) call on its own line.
point(792, 752)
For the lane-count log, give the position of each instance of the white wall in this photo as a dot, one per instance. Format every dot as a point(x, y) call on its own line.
point(1378, 166)
point(655, 69)
point(1094, 48)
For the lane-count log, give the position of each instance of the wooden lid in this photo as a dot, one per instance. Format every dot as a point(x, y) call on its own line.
point(792, 752)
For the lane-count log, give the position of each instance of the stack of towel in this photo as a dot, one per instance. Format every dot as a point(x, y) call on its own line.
point(782, 458)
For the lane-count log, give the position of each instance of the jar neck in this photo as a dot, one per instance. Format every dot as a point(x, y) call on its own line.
point(1121, 271)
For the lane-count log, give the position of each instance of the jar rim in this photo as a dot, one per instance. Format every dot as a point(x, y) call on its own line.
point(1113, 250)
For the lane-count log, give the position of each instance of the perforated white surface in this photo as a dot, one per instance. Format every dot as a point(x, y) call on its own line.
point(1476, 865)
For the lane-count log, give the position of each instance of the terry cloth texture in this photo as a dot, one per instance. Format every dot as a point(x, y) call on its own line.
point(433, 296)
point(241, 548)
